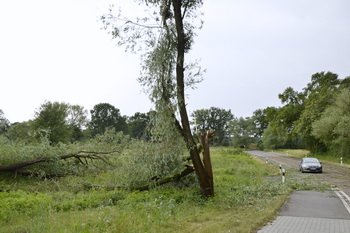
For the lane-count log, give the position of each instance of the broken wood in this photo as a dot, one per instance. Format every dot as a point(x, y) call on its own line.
point(204, 140)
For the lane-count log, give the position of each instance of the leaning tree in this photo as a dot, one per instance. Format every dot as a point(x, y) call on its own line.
point(164, 36)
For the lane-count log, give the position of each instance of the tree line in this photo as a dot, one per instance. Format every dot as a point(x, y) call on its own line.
point(317, 118)
point(65, 123)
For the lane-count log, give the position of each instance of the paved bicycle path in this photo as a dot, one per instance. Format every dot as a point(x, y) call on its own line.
point(311, 212)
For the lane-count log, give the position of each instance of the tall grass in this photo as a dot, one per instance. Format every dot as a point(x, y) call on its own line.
point(244, 200)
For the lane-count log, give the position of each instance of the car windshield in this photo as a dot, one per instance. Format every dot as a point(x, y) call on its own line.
point(310, 160)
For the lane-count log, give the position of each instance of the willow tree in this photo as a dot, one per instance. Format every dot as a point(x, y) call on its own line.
point(163, 38)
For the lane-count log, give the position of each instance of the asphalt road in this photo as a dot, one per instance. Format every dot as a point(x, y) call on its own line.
point(310, 211)
point(336, 175)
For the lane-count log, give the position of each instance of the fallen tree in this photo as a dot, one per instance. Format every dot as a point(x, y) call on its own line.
point(87, 157)
point(82, 156)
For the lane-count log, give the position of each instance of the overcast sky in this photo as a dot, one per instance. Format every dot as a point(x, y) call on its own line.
point(54, 50)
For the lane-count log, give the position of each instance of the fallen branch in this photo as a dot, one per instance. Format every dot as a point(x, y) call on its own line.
point(188, 170)
point(92, 155)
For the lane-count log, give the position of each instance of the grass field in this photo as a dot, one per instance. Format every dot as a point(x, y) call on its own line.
point(245, 199)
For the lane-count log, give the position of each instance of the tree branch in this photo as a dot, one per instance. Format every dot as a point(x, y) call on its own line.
point(188, 170)
point(16, 167)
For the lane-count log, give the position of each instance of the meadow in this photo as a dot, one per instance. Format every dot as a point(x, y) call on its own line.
point(248, 193)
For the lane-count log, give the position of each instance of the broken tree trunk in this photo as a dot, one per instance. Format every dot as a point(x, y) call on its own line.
point(204, 139)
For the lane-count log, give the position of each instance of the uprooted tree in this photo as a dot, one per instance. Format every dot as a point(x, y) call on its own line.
point(164, 36)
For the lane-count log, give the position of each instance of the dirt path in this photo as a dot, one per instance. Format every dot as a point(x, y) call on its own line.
point(336, 175)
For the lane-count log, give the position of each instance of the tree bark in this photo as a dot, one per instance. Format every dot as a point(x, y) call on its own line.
point(204, 180)
point(204, 139)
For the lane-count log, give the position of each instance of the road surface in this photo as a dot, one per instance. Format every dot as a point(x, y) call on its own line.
point(311, 211)
point(336, 175)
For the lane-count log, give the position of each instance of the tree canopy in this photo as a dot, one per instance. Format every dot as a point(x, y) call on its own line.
point(137, 125)
point(243, 132)
point(315, 118)
point(51, 120)
point(318, 95)
point(333, 127)
point(104, 116)
point(215, 119)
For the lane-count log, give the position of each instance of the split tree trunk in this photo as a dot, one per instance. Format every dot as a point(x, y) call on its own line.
point(204, 139)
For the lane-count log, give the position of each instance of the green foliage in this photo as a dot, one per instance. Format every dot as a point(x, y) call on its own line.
point(104, 116)
point(260, 121)
point(333, 127)
point(290, 126)
point(14, 152)
point(274, 136)
point(243, 131)
point(4, 123)
point(214, 119)
point(22, 132)
point(50, 119)
point(15, 204)
point(155, 36)
point(319, 94)
point(150, 161)
point(280, 130)
point(137, 125)
point(59, 122)
point(77, 120)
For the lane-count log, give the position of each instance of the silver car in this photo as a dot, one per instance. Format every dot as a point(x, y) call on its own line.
point(310, 165)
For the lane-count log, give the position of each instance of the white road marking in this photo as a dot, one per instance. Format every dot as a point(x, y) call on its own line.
point(344, 198)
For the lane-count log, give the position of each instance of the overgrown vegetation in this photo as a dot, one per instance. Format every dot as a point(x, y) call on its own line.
point(249, 193)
